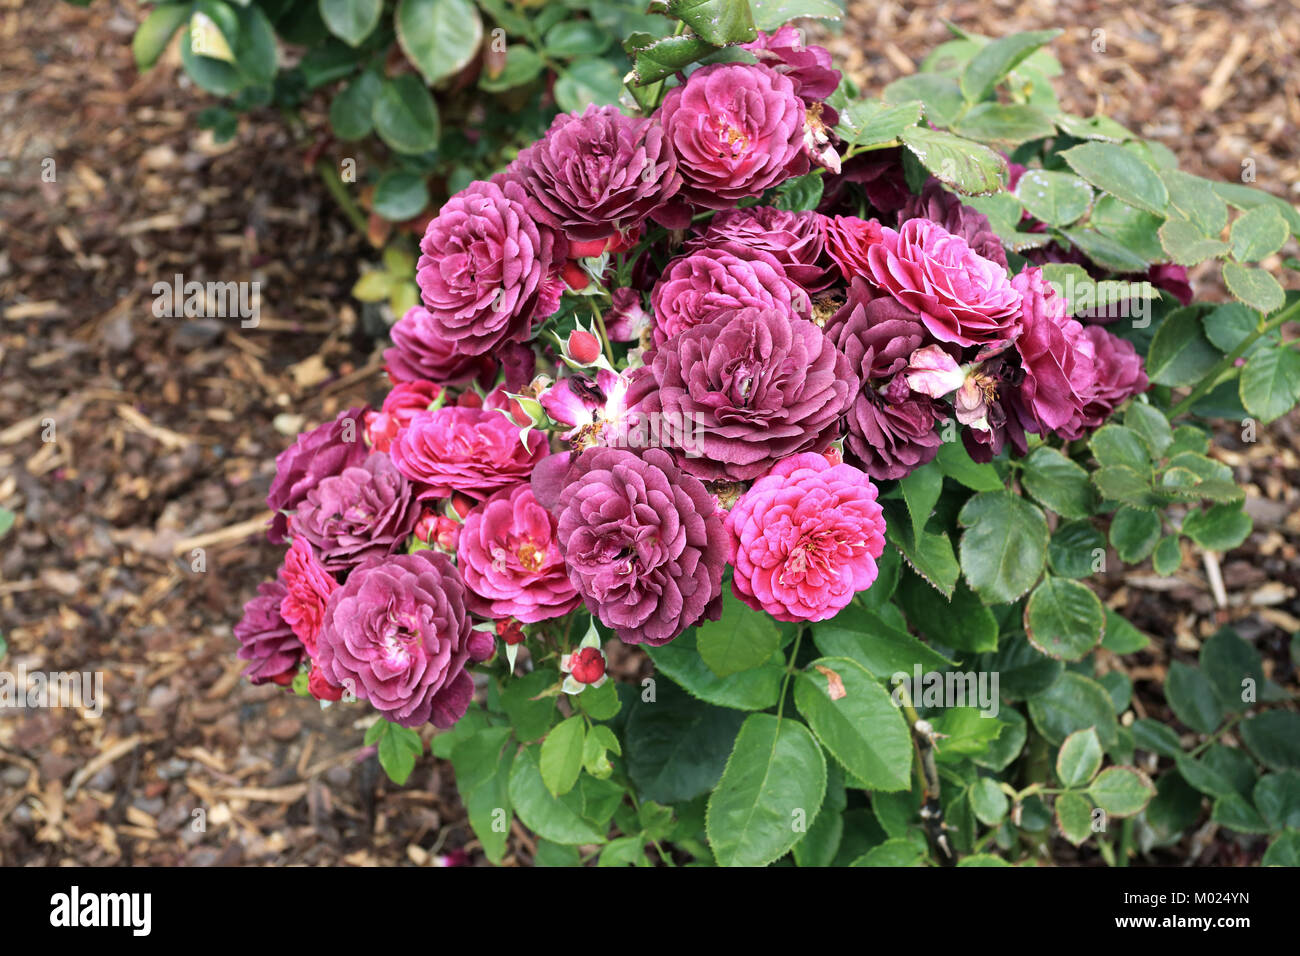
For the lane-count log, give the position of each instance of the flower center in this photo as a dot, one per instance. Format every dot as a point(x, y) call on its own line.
point(732, 140)
point(530, 557)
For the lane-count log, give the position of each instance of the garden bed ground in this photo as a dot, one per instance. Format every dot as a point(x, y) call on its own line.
point(167, 428)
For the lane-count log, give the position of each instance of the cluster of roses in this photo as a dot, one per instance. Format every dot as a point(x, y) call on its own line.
point(507, 477)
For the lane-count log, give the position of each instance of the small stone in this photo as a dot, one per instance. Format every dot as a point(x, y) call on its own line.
point(285, 730)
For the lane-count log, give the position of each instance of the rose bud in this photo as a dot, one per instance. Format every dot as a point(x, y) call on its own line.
point(321, 688)
point(510, 631)
point(575, 276)
point(583, 347)
point(587, 665)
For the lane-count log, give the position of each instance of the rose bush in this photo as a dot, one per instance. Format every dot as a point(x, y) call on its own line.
point(828, 409)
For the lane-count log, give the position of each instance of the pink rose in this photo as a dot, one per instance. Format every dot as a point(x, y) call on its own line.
point(805, 538)
point(1058, 359)
point(511, 562)
point(307, 587)
point(476, 451)
point(400, 406)
point(961, 297)
point(847, 240)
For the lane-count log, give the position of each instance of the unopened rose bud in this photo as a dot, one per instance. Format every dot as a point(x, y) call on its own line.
point(583, 347)
point(510, 631)
point(320, 687)
point(587, 665)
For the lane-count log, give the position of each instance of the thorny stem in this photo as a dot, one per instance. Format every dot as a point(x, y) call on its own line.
point(923, 737)
point(1229, 361)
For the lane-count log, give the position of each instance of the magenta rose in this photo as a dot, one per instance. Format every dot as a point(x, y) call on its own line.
point(597, 174)
point(848, 238)
point(487, 270)
point(397, 634)
point(422, 352)
point(325, 450)
point(961, 297)
point(794, 239)
point(695, 289)
point(808, 67)
point(266, 640)
point(400, 405)
point(805, 539)
point(1120, 376)
point(642, 540)
point(938, 205)
point(876, 332)
point(366, 511)
point(749, 389)
point(476, 451)
point(627, 317)
point(737, 128)
point(307, 587)
point(511, 562)
point(1057, 358)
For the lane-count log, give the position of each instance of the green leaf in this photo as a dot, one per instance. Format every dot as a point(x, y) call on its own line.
point(891, 853)
point(982, 859)
point(1274, 738)
point(561, 755)
point(600, 703)
point(351, 20)
point(1196, 200)
point(1064, 619)
point(558, 819)
point(1219, 528)
point(799, 194)
point(1167, 557)
point(1125, 485)
point(1058, 483)
point(1247, 197)
point(405, 116)
point(1121, 173)
point(1255, 287)
point(1277, 795)
point(1076, 550)
point(530, 718)
point(586, 82)
point(1156, 737)
point(988, 802)
point(351, 110)
point(1005, 124)
point(1122, 791)
point(755, 689)
point(1258, 233)
point(1231, 323)
point(400, 195)
point(1235, 812)
point(720, 22)
point(940, 94)
point(1180, 354)
point(1152, 427)
point(1270, 383)
point(1105, 251)
point(962, 164)
point(930, 556)
point(1057, 199)
point(523, 65)
point(966, 731)
point(441, 37)
point(398, 748)
point(1191, 696)
point(1079, 758)
point(1093, 127)
point(570, 38)
point(658, 59)
point(1284, 851)
point(153, 35)
point(1122, 637)
point(740, 640)
point(1229, 663)
point(998, 58)
point(1186, 245)
point(1074, 817)
point(963, 622)
point(1114, 445)
point(677, 746)
point(772, 14)
point(870, 122)
point(865, 637)
point(1203, 777)
point(1004, 547)
point(956, 463)
point(855, 719)
point(482, 764)
point(822, 841)
point(921, 490)
point(1073, 703)
point(775, 776)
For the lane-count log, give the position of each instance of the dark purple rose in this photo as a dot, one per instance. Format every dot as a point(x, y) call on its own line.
point(487, 269)
point(876, 332)
point(938, 205)
point(737, 128)
point(266, 640)
point(325, 450)
point(891, 430)
point(750, 389)
point(597, 174)
point(421, 353)
point(397, 634)
point(794, 239)
point(643, 541)
point(1057, 358)
point(1120, 376)
point(1173, 279)
point(366, 511)
point(808, 67)
point(696, 289)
